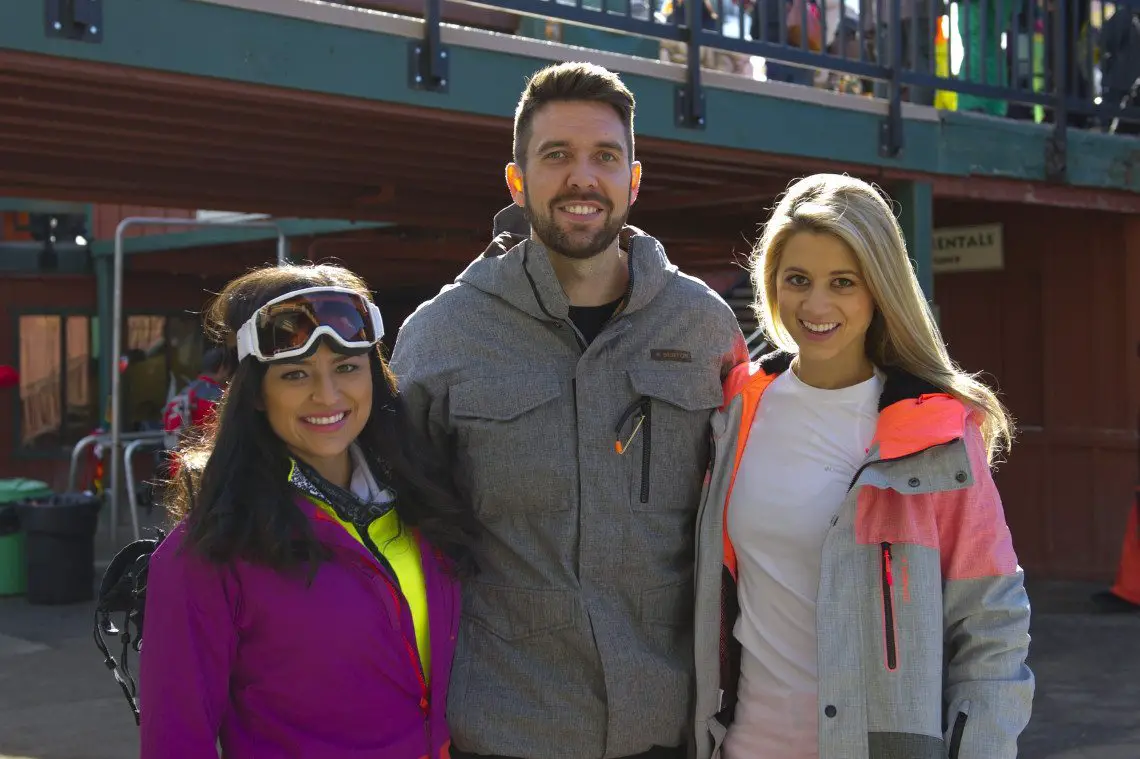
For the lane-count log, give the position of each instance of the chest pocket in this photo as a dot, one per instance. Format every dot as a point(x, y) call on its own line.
point(513, 454)
point(668, 456)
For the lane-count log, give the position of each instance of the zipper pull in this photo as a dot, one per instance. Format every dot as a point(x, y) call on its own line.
point(621, 447)
point(633, 408)
point(887, 564)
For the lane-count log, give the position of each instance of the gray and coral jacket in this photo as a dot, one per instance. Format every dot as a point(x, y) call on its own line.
point(922, 615)
point(576, 639)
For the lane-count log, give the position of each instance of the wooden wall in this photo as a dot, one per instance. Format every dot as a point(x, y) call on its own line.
point(1058, 331)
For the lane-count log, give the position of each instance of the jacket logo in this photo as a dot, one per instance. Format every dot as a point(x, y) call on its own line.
point(668, 354)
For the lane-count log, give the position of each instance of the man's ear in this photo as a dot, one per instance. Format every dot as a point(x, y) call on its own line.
point(515, 184)
point(634, 181)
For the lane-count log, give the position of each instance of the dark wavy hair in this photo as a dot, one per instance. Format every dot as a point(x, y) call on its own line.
point(571, 82)
point(233, 487)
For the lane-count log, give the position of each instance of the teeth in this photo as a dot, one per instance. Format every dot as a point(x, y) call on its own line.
point(580, 210)
point(325, 419)
point(825, 327)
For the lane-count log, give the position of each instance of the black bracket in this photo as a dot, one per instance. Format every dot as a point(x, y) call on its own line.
point(79, 20)
point(891, 128)
point(1056, 146)
point(690, 105)
point(427, 66)
point(689, 108)
point(428, 58)
point(1057, 155)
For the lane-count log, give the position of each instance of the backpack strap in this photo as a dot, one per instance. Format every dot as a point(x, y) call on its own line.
point(123, 589)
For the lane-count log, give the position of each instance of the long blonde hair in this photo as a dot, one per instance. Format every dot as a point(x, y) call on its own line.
point(902, 333)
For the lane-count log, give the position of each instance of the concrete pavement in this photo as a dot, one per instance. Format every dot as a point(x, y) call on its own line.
point(57, 701)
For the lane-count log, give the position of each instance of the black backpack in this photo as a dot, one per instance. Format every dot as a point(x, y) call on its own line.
point(123, 591)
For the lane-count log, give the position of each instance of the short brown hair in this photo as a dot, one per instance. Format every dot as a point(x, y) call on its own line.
point(568, 82)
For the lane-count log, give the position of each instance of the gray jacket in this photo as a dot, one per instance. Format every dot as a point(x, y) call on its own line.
point(922, 615)
point(577, 634)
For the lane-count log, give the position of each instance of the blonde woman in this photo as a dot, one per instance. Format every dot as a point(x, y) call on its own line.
point(858, 595)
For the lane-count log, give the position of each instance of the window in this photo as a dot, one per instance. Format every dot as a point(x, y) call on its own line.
point(58, 380)
point(59, 374)
point(162, 355)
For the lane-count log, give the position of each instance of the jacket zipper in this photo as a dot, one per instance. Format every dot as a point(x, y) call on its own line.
point(392, 583)
point(956, 735)
point(413, 657)
point(889, 608)
point(574, 398)
point(888, 579)
point(642, 425)
point(370, 544)
point(646, 448)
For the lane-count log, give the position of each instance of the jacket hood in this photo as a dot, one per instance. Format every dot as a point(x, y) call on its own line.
point(517, 269)
point(898, 385)
point(913, 413)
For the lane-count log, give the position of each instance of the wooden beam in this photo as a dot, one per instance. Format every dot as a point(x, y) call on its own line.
point(157, 160)
point(59, 187)
point(187, 85)
point(58, 165)
point(329, 138)
point(719, 197)
point(974, 187)
point(997, 190)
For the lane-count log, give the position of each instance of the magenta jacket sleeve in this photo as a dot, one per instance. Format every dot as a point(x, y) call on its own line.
point(188, 649)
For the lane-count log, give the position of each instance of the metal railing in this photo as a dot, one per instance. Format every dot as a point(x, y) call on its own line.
point(132, 443)
point(117, 435)
point(1064, 62)
point(129, 452)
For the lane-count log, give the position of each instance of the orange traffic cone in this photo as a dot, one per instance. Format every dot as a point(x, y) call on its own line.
point(1127, 585)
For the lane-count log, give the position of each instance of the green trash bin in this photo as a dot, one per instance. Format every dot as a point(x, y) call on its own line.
point(13, 567)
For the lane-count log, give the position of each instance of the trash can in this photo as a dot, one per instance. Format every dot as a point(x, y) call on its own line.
point(13, 575)
point(60, 547)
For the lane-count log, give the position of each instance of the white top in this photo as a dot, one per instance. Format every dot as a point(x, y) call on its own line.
point(802, 451)
point(363, 485)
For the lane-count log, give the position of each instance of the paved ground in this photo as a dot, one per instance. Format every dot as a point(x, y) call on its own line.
point(57, 701)
point(1088, 679)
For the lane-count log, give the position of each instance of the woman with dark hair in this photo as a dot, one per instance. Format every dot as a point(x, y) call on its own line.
point(306, 603)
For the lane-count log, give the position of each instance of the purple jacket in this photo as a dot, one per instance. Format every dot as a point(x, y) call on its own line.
point(276, 669)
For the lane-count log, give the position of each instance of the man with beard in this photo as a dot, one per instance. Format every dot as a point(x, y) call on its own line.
point(569, 375)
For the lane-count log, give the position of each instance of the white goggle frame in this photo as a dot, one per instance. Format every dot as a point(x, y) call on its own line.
point(247, 342)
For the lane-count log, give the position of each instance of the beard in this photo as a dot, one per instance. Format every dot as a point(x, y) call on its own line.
point(568, 243)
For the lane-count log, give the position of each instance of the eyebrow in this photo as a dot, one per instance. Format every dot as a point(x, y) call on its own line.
point(835, 273)
point(607, 144)
point(305, 363)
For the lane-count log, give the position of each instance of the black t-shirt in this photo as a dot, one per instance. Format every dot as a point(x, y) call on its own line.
point(590, 319)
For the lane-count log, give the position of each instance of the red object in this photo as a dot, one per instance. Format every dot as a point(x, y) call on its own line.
point(1128, 575)
point(192, 407)
point(9, 377)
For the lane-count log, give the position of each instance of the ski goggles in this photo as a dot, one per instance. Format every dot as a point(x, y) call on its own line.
point(290, 325)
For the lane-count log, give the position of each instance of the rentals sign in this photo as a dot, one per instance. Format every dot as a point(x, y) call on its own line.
point(968, 249)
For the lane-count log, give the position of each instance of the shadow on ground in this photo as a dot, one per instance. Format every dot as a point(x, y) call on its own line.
point(57, 701)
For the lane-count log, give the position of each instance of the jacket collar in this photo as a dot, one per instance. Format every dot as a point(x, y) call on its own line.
point(517, 269)
point(913, 414)
point(329, 531)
